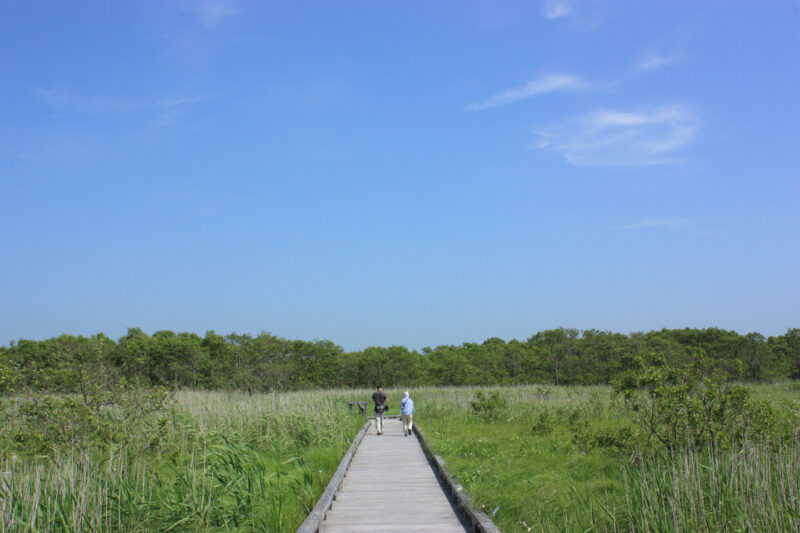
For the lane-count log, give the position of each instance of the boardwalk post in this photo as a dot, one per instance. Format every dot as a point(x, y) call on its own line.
point(362, 406)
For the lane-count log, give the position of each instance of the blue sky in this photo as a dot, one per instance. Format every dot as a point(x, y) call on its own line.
point(413, 173)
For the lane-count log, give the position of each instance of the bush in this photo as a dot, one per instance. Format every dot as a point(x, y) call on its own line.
point(542, 422)
point(691, 407)
point(45, 424)
point(488, 407)
point(588, 435)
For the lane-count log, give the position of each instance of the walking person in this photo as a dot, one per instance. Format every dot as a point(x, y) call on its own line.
point(407, 412)
point(381, 405)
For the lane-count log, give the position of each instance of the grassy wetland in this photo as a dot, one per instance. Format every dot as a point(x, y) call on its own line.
point(539, 458)
point(677, 430)
point(206, 461)
point(545, 458)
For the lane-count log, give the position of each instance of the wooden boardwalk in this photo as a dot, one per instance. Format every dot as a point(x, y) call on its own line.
point(391, 487)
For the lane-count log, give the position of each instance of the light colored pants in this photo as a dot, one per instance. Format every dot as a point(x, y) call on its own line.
point(379, 422)
point(408, 423)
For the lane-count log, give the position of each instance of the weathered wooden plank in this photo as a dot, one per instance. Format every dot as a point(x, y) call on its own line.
point(390, 486)
point(392, 505)
point(389, 528)
point(366, 496)
point(409, 519)
point(311, 523)
point(387, 513)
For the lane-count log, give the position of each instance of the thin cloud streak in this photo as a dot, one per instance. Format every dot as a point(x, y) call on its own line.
point(60, 100)
point(673, 224)
point(545, 84)
point(553, 9)
point(211, 12)
point(623, 138)
point(654, 62)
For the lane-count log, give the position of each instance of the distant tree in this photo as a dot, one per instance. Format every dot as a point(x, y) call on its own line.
point(792, 338)
point(372, 367)
point(267, 362)
point(220, 359)
point(9, 370)
point(560, 347)
point(786, 352)
point(313, 363)
point(132, 355)
point(754, 352)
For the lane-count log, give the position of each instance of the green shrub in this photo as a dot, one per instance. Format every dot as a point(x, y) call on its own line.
point(691, 406)
point(489, 407)
point(587, 435)
point(45, 424)
point(542, 422)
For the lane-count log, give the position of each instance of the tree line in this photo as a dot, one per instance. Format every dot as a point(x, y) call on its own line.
point(265, 362)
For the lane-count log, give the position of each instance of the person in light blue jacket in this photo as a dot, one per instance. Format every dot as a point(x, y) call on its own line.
point(407, 412)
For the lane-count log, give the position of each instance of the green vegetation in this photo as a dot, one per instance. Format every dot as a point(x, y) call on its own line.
point(676, 430)
point(547, 458)
point(267, 363)
point(201, 461)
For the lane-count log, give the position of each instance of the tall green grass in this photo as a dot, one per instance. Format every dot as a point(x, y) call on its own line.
point(756, 488)
point(539, 458)
point(228, 461)
point(569, 459)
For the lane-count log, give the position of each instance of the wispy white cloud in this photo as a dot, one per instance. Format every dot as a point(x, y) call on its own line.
point(553, 9)
point(181, 101)
point(673, 224)
point(210, 12)
point(654, 62)
point(62, 100)
point(547, 83)
point(622, 138)
point(579, 15)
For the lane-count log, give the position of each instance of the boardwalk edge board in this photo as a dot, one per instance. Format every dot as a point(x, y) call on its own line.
point(317, 514)
point(481, 522)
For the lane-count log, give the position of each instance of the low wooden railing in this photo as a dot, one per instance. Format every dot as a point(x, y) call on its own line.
point(480, 521)
point(317, 514)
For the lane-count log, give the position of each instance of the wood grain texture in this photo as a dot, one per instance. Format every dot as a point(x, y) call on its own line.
point(312, 521)
point(390, 486)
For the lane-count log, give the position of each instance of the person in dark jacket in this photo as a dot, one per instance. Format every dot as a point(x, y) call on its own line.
point(381, 406)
